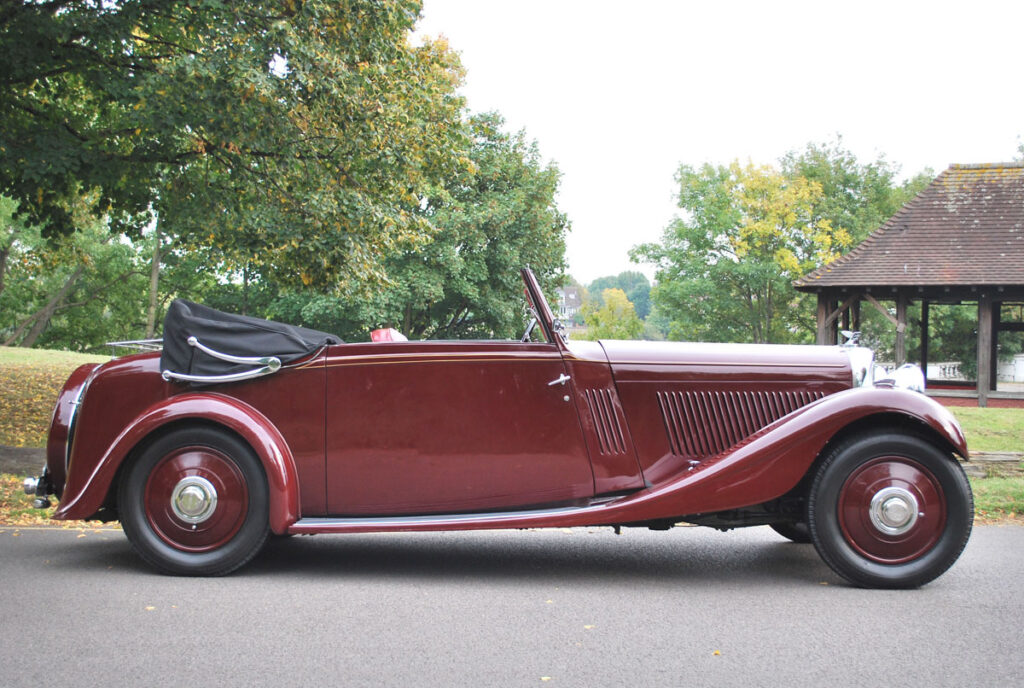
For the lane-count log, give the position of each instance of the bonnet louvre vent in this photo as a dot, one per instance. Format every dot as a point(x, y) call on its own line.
point(705, 423)
point(606, 421)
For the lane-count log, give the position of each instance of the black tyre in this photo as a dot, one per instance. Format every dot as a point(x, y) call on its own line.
point(793, 530)
point(195, 502)
point(890, 510)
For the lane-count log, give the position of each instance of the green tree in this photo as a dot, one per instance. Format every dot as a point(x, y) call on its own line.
point(295, 139)
point(73, 293)
point(856, 197)
point(725, 268)
point(491, 220)
point(635, 285)
point(614, 319)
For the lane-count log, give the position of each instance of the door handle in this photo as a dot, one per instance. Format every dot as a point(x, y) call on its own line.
point(560, 380)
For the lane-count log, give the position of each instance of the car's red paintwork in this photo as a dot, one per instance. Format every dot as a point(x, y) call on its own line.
point(473, 434)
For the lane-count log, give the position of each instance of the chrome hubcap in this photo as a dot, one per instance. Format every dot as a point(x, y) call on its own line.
point(194, 499)
point(893, 510)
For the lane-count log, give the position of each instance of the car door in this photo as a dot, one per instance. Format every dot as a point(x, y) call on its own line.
point(445, 427)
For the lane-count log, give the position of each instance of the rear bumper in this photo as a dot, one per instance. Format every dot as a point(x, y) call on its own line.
point(40, 487)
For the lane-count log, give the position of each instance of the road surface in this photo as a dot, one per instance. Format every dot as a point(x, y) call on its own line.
point(580, 607)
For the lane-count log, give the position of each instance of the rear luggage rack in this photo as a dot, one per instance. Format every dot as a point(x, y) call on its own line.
point(137, 345)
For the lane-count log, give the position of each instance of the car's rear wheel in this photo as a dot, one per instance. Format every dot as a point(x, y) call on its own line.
point(195, 502)
point(797, 531)
point(890, 510)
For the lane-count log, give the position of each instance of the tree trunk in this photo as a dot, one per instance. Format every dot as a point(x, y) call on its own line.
point(245, 290)
point(4, 253)
point(42, 317)
point(154, 281)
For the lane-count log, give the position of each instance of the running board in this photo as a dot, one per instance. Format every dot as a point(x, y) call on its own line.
point(536, 518)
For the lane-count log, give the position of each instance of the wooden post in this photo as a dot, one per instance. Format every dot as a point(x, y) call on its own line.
point(997, 316)
point(855, 307)
point(984, 349)
point(822, 317)
point(924, 338)
point(901, 328)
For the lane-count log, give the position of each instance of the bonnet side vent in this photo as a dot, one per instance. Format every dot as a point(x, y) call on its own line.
point(607, 424)
point(704, 423)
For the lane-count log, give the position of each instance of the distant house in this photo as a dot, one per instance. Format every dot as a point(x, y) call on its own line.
point(569, 302)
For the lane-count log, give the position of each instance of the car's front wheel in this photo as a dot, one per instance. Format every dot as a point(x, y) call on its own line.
point(195, 502)
point(890, 510)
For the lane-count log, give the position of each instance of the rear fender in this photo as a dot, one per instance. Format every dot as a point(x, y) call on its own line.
point(244, 420)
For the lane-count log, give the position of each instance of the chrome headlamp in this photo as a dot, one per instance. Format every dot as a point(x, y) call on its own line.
point(862, 361)
point(909, 376)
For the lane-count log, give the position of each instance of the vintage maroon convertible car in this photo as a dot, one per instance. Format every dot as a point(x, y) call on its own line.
point(241, 427)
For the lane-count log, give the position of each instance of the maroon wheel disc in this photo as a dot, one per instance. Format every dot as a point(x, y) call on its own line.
point(892, 510)
point(196, 499)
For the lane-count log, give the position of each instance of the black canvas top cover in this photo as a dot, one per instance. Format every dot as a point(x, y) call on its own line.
point(237, 335)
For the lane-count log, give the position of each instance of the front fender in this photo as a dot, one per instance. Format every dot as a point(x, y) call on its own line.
point(82, 501)
point(772, 462)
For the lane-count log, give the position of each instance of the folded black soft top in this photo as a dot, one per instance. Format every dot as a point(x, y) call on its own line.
point(236, 335)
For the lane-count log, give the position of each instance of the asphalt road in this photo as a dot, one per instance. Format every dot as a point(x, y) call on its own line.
point(690, 607)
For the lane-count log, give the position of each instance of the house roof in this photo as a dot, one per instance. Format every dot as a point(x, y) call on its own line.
point(965, 228)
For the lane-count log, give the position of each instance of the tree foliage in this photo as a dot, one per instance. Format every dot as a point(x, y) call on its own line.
point(295, 138)
point(725, 268)
point(855, 197)
point(614, 319)
point(492, 219)
point(634, 284)
point(72, 292)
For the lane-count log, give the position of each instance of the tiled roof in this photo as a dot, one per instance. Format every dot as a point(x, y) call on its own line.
point(966, 228)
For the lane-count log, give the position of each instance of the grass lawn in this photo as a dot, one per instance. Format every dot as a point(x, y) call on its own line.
point(16, 509)
point(998, 499)
point(29, 382)
point(992, 429)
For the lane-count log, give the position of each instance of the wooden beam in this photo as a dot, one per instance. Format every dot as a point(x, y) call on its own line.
point(835, 314)
point(881, 309)
point(984, 349)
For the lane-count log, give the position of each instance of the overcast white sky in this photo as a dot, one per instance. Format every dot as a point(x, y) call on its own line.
point(619, 94)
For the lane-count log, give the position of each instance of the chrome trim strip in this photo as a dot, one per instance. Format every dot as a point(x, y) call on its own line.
point(433, 519)
point(400, 359)
point(271, 364)
point(270, 361)
point(728, 364)
point(71, 427)
point(231, 377)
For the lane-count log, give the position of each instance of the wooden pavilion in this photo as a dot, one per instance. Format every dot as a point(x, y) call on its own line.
point(961, 240)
